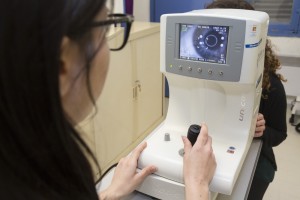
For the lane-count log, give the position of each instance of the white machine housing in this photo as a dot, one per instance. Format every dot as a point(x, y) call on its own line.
point(213, 60)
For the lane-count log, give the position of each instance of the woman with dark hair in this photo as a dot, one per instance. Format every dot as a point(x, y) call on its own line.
point(53, 63)
point(271, 125)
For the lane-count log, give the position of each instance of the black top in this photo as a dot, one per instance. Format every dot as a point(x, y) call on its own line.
point(274, 110)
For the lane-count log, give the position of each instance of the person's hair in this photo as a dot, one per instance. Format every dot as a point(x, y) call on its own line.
point(42, 156)
point(272, 63)
point(231, 4)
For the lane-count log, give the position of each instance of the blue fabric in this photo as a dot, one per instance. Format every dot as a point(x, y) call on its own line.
point(159, 7)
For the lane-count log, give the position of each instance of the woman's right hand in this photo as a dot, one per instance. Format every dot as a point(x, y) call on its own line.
point(199, 165)
point(126, 178)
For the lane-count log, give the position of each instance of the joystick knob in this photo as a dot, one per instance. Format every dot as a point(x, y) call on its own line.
point(193, 133)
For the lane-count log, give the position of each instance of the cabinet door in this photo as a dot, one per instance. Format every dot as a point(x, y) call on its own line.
point(148, 105)
point(131, 103)
point(113, 123)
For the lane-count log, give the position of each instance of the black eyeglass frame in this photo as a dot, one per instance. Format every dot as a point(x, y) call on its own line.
point(117, 18)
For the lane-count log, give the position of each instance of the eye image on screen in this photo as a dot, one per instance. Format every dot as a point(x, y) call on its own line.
point(203, 43)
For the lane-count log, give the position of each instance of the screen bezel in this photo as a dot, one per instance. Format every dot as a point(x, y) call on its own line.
point(235, 48)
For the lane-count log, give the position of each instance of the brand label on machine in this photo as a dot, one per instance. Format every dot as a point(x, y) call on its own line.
point(242, 110)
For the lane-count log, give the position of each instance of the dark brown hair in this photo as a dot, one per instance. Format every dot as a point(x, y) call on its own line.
point(233, 4)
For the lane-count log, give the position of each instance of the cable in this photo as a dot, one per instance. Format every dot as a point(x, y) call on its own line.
point(101, 177)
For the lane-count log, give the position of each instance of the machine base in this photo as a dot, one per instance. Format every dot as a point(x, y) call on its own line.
point(153, 186)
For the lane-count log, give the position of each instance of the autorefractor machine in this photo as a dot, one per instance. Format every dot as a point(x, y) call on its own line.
point(213, 60)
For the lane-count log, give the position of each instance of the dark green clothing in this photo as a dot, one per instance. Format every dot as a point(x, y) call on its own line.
point(274, 110)
point(265, 169)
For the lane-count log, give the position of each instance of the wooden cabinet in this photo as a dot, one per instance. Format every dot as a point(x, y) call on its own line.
point(131, 103)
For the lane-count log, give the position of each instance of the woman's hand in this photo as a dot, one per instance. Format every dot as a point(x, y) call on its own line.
point(126, 178)
point(199, 165)
point(260, 125)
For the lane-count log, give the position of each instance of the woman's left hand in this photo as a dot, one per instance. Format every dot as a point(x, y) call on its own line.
point(260, 125)
point(126, 179)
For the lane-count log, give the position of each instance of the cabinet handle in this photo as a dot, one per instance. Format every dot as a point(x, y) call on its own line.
point(137, 88)
point(139, 85)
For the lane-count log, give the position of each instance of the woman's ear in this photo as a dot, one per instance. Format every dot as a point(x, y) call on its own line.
point(64, 66)
point(69, 64)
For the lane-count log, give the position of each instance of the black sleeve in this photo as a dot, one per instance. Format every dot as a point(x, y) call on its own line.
point(273, 107)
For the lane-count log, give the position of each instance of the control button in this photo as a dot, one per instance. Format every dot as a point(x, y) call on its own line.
point(221, 73)
point(190, 68)
point(167, 137)
point(199, 70)
point(210, 71)
point(181, 152)
point(169, 40)
point(238, 46)
point(180, 67)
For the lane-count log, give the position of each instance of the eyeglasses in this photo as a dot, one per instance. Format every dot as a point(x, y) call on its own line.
point(122, 31)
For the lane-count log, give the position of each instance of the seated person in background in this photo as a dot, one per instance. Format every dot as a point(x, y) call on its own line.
point(271, 125)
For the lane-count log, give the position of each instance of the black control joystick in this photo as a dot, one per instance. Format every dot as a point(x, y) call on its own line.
point(193, 133)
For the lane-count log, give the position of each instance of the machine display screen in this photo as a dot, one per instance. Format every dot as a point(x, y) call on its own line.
point(205, 43)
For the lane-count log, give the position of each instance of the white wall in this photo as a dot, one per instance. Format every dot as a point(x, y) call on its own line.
point(288, 48)
point(118, 6)
point(141, 10)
